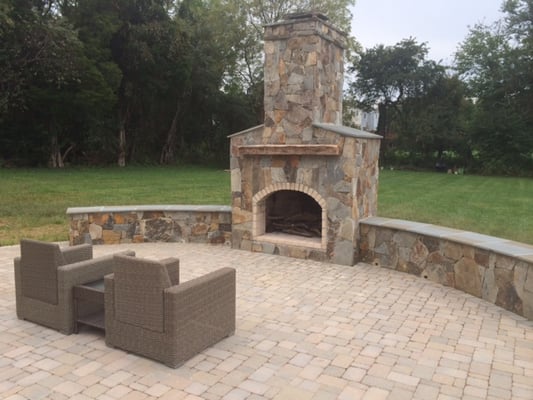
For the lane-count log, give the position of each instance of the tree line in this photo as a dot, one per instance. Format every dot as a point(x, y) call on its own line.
point(99, 82)
point(475, 114)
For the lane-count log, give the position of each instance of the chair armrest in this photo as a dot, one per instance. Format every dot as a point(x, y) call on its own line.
point(16, 264)
point(88, 270)
point(18, 281)
point(77, 253)
point(202, 304)
point(172, 265)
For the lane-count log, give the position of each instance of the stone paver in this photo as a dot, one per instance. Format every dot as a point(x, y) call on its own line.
point(305, 330)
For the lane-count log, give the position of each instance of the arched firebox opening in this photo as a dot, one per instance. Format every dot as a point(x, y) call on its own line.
point(290, 213)
point(294, 213)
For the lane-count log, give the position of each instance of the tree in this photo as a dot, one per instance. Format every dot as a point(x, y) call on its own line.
point(95, 23)
point(386, 75)
point(207, 56)
point(141, 47)
point(41, 70)
point(431, 127)
point(35, 43)
point(495, 62)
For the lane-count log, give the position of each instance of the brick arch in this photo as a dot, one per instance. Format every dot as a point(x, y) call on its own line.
point(258, 206)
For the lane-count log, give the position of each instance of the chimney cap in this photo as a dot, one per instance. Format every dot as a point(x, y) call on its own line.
point(307, 14)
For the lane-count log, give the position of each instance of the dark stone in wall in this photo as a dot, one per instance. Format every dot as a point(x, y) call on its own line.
point(153, 214)
point(317, 256)
point(159, 230)
point(383, 236)
point(225, 227)
point(216, 237)
point(410, 268)
point(431, 243)
point(481, 257)
point(509, 299)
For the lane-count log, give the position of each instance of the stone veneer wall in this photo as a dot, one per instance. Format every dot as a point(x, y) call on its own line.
point(160, 223)
point(497, 270)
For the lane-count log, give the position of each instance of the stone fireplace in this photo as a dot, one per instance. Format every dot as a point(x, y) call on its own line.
point(301, 181)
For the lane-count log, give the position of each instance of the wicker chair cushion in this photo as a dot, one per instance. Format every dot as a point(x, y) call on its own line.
point(139, 286)
point(39, 262)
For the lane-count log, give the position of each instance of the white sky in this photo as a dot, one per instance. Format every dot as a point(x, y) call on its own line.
point(443, 24)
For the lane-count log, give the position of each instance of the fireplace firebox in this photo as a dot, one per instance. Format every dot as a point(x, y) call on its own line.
point(292, 212)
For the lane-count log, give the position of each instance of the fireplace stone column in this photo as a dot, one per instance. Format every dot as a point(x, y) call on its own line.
point(303, 77)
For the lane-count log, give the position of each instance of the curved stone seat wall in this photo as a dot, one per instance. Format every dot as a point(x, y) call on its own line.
point(159, 223)
point(494, 269)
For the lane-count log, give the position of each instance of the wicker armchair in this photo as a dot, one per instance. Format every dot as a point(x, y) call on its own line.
point(148, 312)
point(45, 275)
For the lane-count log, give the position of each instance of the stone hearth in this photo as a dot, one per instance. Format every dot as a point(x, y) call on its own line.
point(301, 181)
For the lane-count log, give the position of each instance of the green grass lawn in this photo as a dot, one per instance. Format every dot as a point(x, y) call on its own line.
point(33, 202)
point(497, 206)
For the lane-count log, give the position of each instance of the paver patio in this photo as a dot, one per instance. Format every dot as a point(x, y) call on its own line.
point(305, 330)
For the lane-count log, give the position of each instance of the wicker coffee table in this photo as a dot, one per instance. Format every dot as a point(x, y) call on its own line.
point(89, 305)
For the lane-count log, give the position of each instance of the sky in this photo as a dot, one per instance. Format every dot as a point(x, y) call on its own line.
point(442, 24)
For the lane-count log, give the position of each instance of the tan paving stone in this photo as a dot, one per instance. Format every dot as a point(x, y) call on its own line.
point(522, 392)
point(291, 393)
point(68, 388)
point(351, 393)
point(51, 381)
point(194, 388)
point(95, 391)
point(311, 372)
point(500, 380)
point(475, 391)
point(379, 370)
point(87, 369)
point(479, 368)
point(116, 378)
point(35, 392)
point(403, 379)
point(254, 387)
point(376, 394)
point(335, 371)
point(354, 374)
point(237, 394)
point(87, 380)
point(118, 391)
point(306, 384)
point(503, 394)
point(135, 395)
point(234, 378)
point(451, 372)
point(18, 351)
point(219, 389)
point(332, 381)
point(426, 392)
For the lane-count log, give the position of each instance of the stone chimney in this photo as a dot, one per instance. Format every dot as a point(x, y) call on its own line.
point(303, 77)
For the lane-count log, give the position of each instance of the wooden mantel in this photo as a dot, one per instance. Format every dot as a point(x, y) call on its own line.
point(290, 149)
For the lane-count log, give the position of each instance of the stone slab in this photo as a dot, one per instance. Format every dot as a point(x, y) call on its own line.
point(154, 207)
